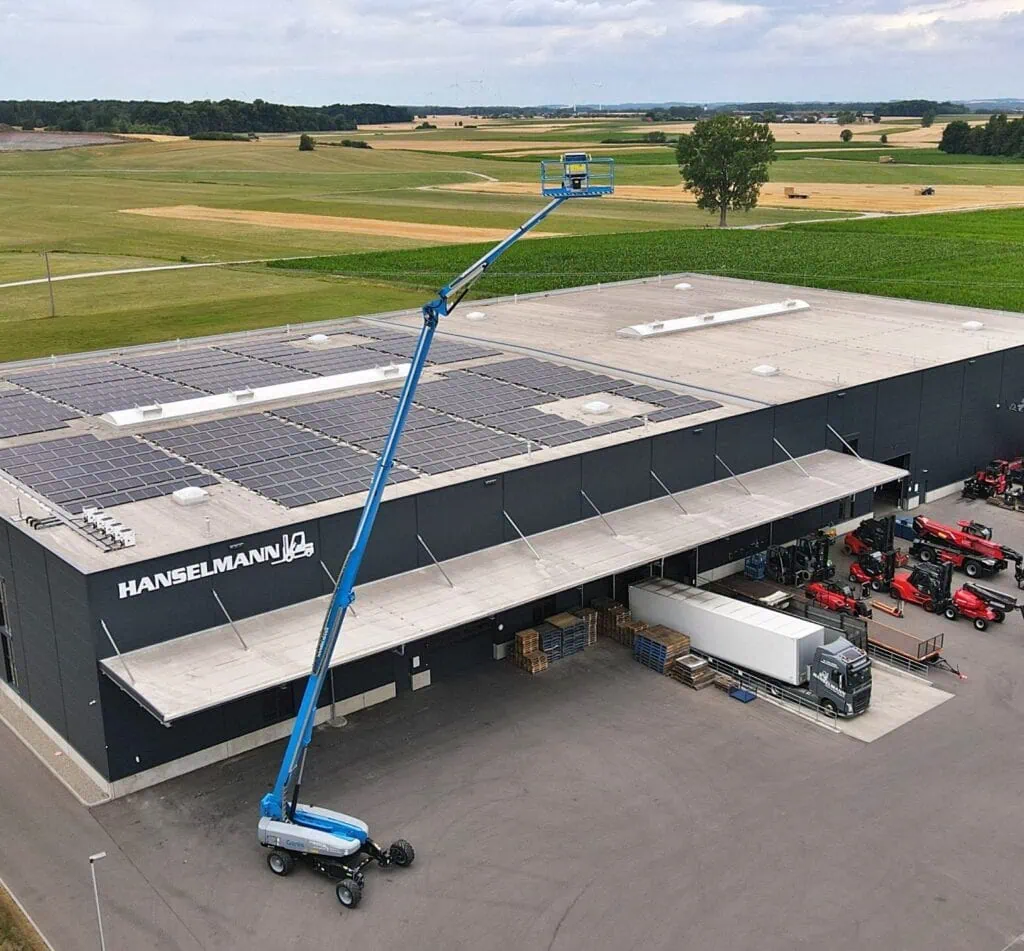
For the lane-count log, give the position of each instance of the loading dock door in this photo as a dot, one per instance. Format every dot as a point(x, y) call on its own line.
point(894, 494)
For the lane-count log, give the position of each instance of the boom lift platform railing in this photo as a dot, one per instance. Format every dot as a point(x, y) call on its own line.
point(333, 843)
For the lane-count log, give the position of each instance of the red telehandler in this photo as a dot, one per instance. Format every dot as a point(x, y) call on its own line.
point(968, 547)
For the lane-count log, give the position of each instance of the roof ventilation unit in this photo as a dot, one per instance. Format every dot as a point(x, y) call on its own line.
point(972, 325)
point(190, 495)
point(682, 286)
point(596, 407)
point(317, 338)
point(154, 411)
point(476, 315)
point(765, 369)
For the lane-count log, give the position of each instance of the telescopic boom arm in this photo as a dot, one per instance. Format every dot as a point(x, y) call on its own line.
point(281, 802)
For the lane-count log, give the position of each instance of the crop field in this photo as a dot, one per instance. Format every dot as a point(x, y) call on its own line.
point(242, 202)
point(971, 259)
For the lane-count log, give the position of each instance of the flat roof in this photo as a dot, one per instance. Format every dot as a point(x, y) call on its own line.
point(192, 673)
point(504, 390)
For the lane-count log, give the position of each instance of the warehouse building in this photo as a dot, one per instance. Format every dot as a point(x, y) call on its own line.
point(173, 517)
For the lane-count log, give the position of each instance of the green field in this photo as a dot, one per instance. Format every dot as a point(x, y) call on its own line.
point(72, 203)
point(973, 259)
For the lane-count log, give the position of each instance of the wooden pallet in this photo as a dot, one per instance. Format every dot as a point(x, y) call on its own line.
point(534, 662)
point(693, 671)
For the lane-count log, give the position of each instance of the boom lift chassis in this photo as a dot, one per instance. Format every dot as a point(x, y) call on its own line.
point(333, 843)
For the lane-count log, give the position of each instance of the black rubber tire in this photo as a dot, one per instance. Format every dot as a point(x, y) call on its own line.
point(349, 892)
point(402, 853)
point(980, 624)
point(875, 584)
point(951, 614)
point(828, 706)
point(972, 569)
point(929, 606)
point(1000, 615)
point(280, 862)
point(847, 550)
point(926, 554)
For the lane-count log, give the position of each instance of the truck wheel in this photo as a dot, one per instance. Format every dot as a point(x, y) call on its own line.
point(349, 892)
point(980, 624)
point(1000, 615)
point(926, 554)
point(950, 613)
point(828, 706)
point(972, 569)
point(402, 853)
point(280, 862)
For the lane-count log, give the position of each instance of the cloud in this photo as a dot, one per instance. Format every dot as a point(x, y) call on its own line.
point(519, 51)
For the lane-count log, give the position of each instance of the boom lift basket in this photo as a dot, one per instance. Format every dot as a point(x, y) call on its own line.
point(577, 175)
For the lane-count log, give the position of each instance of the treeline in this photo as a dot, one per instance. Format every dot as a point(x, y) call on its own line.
point(897, 107)
point(191, 118)
point(998, 136)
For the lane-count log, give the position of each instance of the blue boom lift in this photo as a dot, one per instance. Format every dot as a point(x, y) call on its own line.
point(332, 842)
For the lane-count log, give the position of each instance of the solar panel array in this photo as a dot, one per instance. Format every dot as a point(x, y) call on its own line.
point(563, 382)
point(22, 413)
point(358, 418)
point(551, 430)
point(279, 461)
point(674, 405)
point(470, 396)
point(83, 470)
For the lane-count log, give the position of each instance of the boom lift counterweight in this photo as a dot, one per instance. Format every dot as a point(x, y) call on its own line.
point(331, 842)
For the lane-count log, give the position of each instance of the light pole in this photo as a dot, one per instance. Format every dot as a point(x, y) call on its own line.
point(93, 859)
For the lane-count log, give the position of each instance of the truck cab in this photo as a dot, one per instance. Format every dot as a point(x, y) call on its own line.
point(841, 678)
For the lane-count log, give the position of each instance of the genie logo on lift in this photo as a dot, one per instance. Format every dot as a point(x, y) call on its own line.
point(292, 547)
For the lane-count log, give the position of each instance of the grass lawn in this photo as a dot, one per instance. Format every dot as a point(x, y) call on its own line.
point(971, 259)
point(16, 934)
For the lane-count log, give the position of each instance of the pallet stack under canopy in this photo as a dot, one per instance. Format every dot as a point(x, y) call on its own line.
point(693, 671)
point(659, 647)
point(560, 635)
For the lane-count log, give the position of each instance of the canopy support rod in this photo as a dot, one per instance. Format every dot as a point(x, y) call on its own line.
point(117, 650)
point(733, 474)
point(600, 515)
point(521, 535)
point(230, 621)
point(437, 564)
point(668, 493)
point(791, 458)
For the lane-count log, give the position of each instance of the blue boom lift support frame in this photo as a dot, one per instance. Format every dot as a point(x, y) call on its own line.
point(333, 843)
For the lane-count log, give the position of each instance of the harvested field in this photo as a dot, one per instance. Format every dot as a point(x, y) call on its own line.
point(836, 196)
point(453, 234)
point(15, 141)
point(427, 144)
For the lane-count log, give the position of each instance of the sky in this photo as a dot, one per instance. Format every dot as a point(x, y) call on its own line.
point(467, 52)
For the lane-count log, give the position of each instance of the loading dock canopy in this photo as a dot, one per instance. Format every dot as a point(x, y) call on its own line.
point(203, 670)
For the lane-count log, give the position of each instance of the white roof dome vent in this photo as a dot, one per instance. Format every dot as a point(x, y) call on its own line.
point(596, 407)
point(765, 369)
point(317, 338)
point(683, 286)
point(475, 315)
point(971, 325)
point(190, 495)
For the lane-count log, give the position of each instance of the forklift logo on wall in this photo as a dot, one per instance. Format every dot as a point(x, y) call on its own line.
point(291, 548)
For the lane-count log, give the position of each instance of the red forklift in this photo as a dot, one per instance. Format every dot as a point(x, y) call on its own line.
point(838, 598)
point(875, 569)
point(995, 479)
point(928, 585)
point(968, 547)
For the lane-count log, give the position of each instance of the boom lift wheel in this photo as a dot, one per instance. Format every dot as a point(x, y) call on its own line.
point(926, 554)
point(349, 892)
point(280, 862)
point(951, 614)
point(1000, 615)
point(402, 853)
point(980, 624)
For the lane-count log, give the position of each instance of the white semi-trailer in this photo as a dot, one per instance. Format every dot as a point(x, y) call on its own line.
point(782, 650)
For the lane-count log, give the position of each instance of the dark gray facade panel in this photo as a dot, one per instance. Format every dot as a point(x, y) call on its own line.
point(544, 496)
point(733, 548)
point(796, 526)
point(864, 503)
point(36, 631)
point(684, 459)
point(851, 413)
point(76, 653)
point(392, 548)
point(13, 621)
point(801, 427)
point(979, 420)
point(1011, 405)
point(939, 426)
point(618, 476)
point(461, 518)
point(897, 417)
point(745, 442)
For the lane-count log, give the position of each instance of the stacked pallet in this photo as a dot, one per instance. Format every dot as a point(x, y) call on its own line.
point(527, 653)
point(693, 671)
point(573, 631)
point(589, 617)
point(628, 630)
point(659, 647)
point(534, 662)
point(610, 614)
point(550, 640)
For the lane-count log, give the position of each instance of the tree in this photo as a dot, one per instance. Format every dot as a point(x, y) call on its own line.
point(846, 135)
point(724, 162)
point(876, 116)
point(884, 138)
point(306, 143)
point(928, 116)
point(846, 117)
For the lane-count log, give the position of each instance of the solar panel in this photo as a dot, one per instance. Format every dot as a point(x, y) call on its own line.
point(240, 373)
point(442, 350)
point(83, 470)
point(163, 364)
point(22, 413)
point(359, 417)
point(453, 444)
point(547, 429)
point(566, 382)
point(321, 362)
point(140, 390)
point(463, 393)
point(226, 444)
point(66, 377)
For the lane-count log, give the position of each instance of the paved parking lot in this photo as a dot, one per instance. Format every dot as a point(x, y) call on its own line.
point(601, 806)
